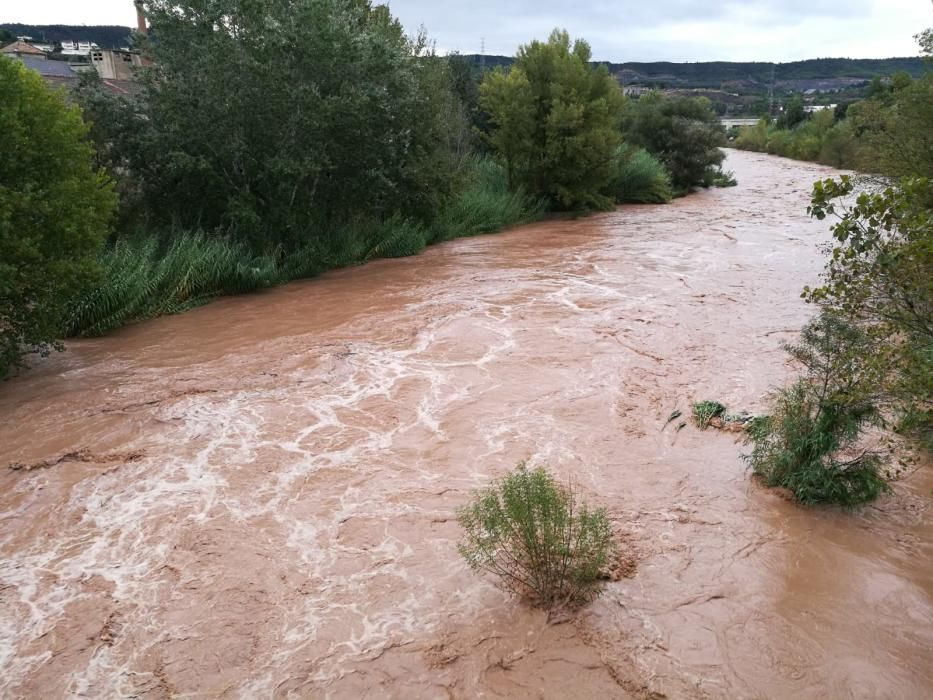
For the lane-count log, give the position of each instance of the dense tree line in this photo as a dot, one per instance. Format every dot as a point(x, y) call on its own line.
point(272, 141)
point(890, 132)
point(558, 122)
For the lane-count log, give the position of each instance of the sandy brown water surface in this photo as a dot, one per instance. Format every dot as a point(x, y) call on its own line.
point(257, 498)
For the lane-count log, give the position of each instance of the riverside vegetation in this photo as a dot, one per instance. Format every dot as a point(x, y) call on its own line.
point(888, 132)
point(252, 158)
point(868, 355)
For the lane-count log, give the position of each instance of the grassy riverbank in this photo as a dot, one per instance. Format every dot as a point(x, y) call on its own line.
point(154, 274)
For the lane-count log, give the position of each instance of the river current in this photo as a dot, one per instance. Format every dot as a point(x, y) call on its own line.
point(258, 498)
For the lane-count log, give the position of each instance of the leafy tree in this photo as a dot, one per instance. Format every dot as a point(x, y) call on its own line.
point(55, 208)
point(682, 132)
point(6, 36)
point(879, 276)
point(793, 113)
point(279, 122)
point(925, 40)
point(876, 89)
point(465, 80)
point(555, 122)
point(901, 132)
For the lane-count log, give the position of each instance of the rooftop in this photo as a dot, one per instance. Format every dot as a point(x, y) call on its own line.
point(46, 68)
point(21, 47)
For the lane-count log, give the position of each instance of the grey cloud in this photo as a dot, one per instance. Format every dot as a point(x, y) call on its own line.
point(630, 30)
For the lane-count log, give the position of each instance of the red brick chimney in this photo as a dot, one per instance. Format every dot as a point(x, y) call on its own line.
point(140, 17)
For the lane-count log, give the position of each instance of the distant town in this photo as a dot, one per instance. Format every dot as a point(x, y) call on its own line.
point(60, 54)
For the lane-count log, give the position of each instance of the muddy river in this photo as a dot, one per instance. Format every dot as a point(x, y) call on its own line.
point(257, 498)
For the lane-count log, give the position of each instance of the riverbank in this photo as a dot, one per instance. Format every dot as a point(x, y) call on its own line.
point(257, 497)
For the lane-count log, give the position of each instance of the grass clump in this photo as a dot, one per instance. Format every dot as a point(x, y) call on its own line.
point(537, 539)
point(717, 177)
point(705, 411)
point(640, 178)
point(143, 278)
point(809, 444)
point(157, 273)
point(485, 204)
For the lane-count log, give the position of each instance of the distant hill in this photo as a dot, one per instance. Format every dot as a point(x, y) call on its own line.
point(686, 75)
point(105, 36)
point(716, 73)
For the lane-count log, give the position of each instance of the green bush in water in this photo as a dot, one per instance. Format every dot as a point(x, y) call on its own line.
point(537, 539)
point(705, 411)
point(717, 177)
point(809, 442)
point(640, 178)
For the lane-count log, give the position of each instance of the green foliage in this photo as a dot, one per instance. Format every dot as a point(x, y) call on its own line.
point(485, 204)
point(682, 132)
point(144, 278)
point(809, 444)
point(465, 78)
point(890, 133)
point(879, 276)
point(55, 208)
point(820, 138)
point(925, 41)
point(899, 131)
point(717, 177)
point(640, 178)
point(152, 274)
point(275, 136)
point(792, 114)
point(555, 123)
point(706, 411)
point(536, 537)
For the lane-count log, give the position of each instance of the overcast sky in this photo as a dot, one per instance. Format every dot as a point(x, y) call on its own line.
point(618, 30)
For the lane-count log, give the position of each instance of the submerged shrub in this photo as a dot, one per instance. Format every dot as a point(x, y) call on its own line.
point(705, 411)
point(535, 536)
point(796, 448)
point(717, 177)
point(640, 178)
point(809, 444)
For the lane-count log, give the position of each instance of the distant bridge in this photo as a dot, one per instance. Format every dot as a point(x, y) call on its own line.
point(729, 123)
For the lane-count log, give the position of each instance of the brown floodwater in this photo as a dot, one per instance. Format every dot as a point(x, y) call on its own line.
point(257, 498)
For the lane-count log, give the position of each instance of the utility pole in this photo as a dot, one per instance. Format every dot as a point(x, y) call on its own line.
point(482, 55)
point(771, 95)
